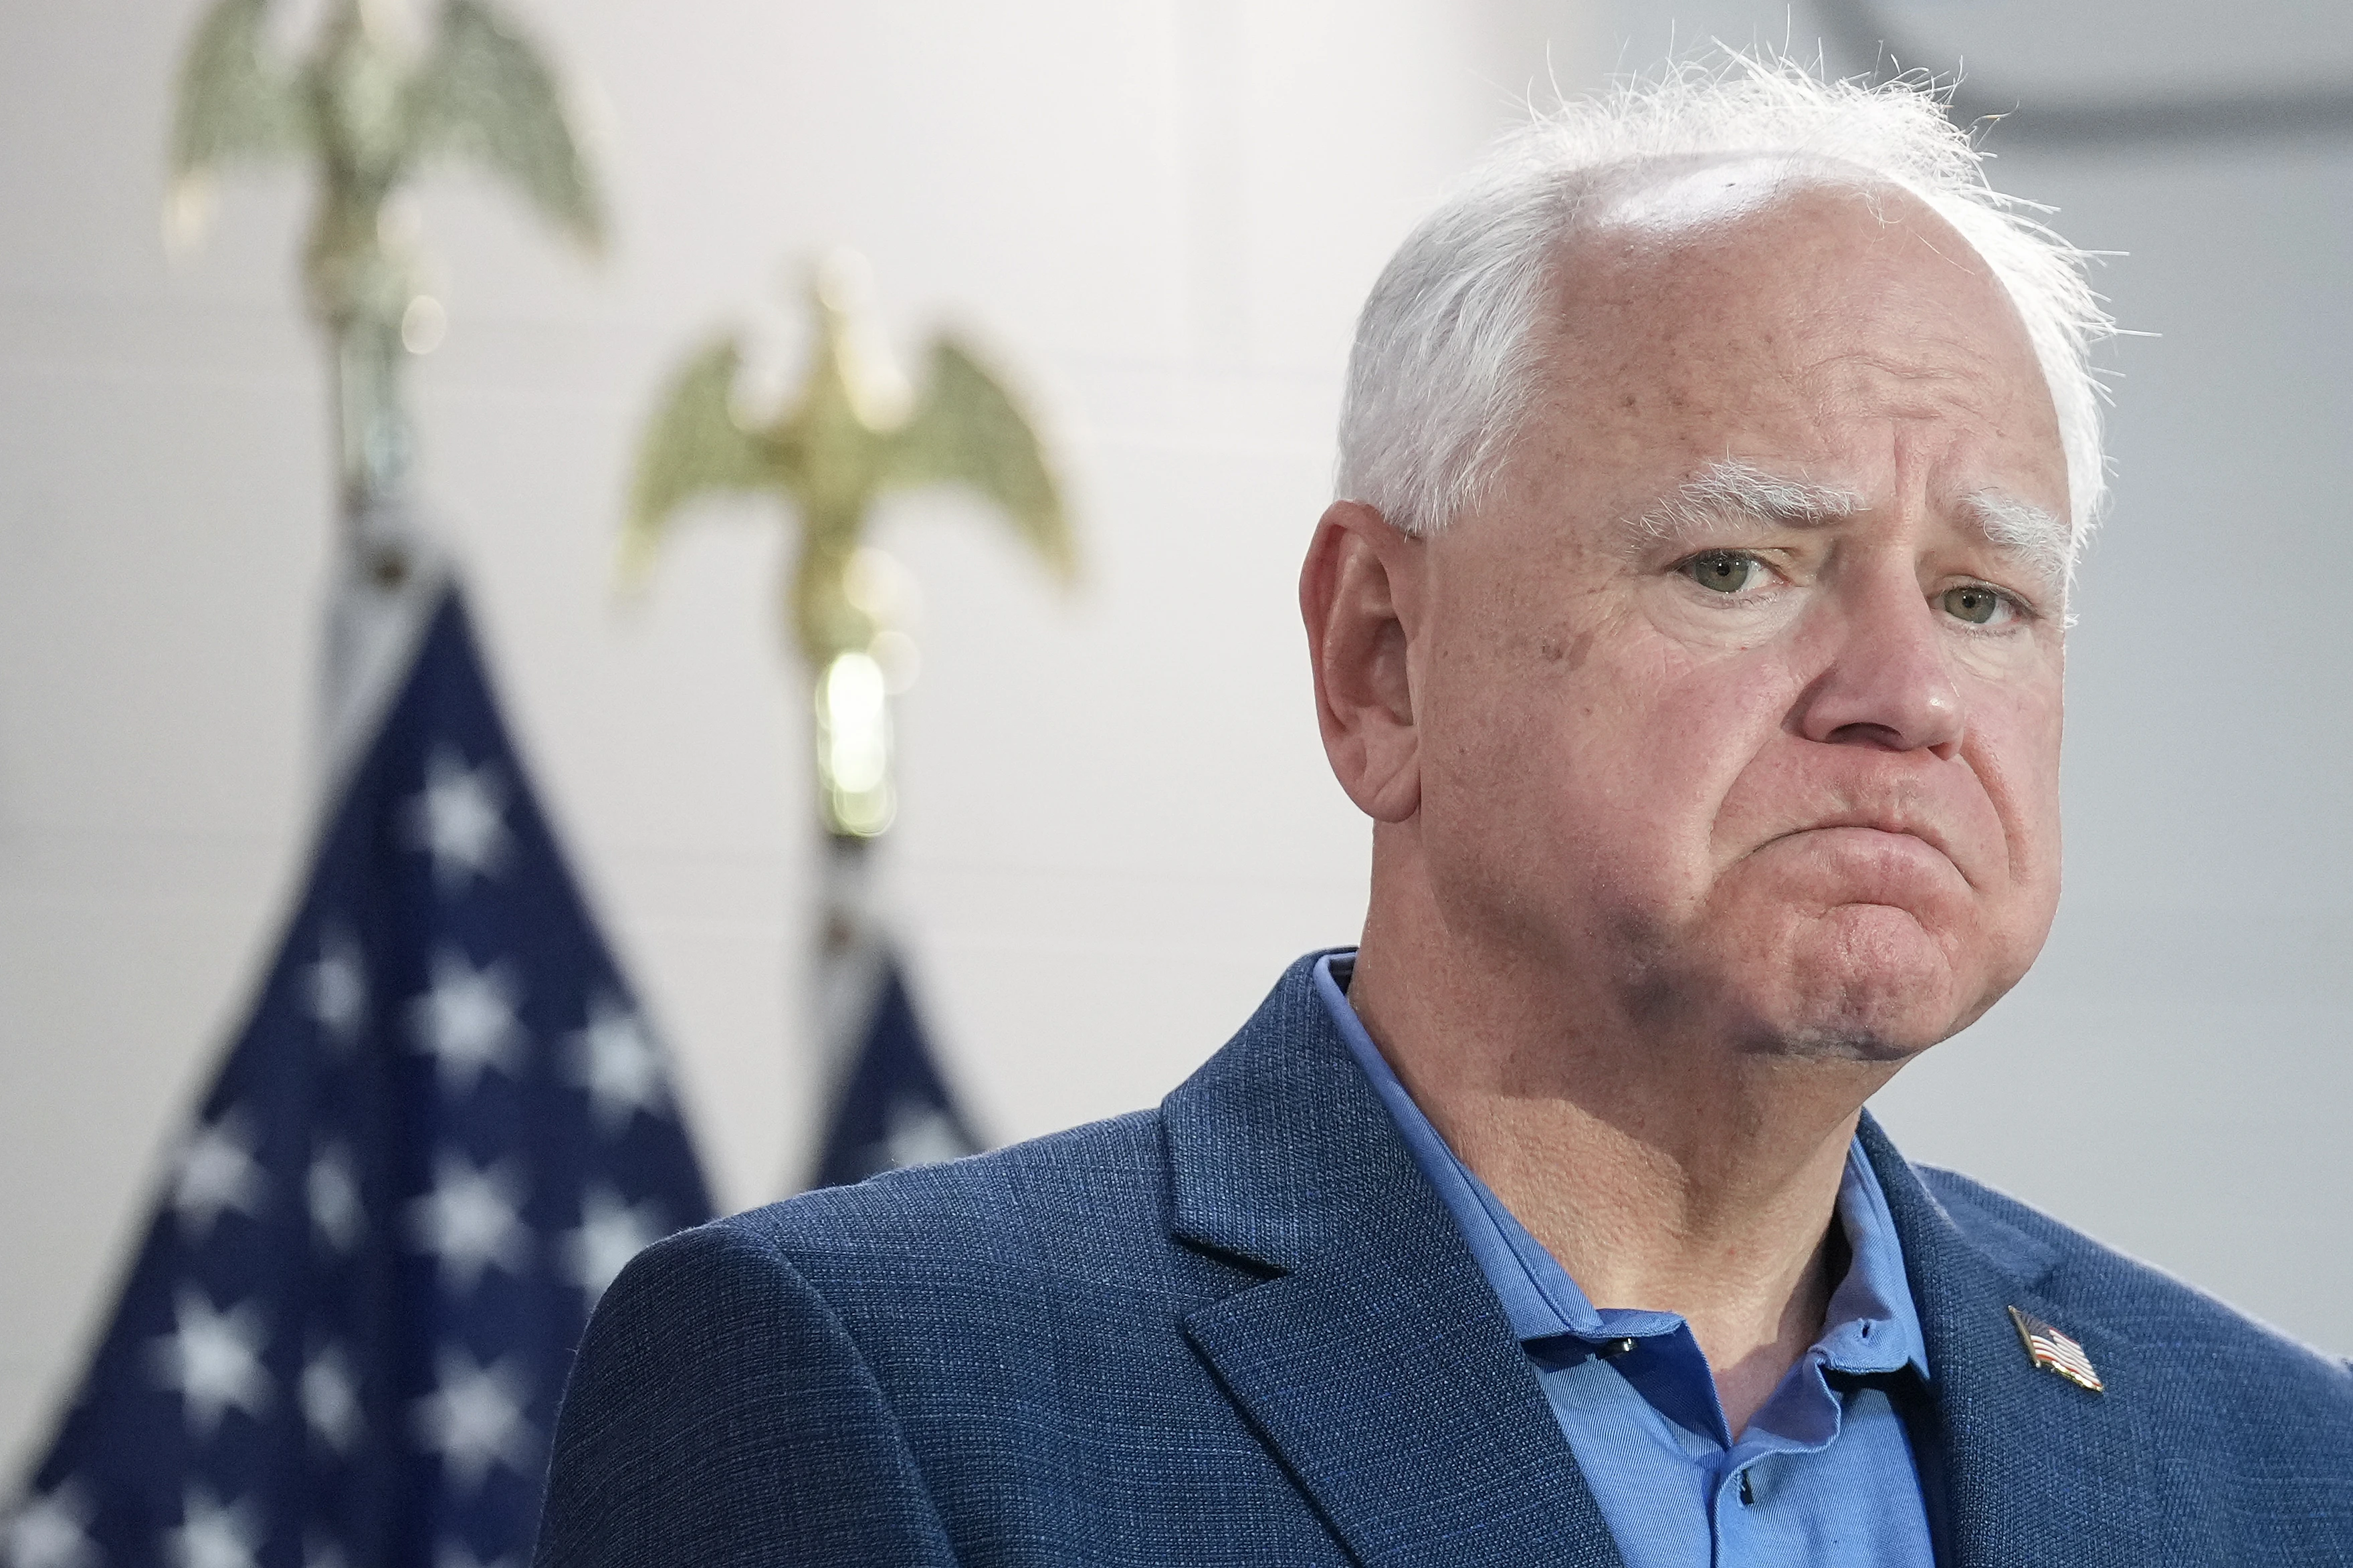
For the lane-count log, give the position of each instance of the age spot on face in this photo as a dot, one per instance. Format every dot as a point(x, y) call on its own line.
point(1569, 653)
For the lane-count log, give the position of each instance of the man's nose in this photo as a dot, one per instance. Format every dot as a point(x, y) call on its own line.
point(1888, 681)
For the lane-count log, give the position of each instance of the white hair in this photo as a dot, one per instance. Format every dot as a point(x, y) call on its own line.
point(1445, 359)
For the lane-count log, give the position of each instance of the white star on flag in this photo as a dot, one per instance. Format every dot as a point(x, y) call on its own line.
point(336, 987)
point(615, 1060)
point(471, 1219)
point(334, 1192)
point(467, 1021)
point(213, 1360)
point(212, 1536)
point(611, 1233)
point(330, 1399)
point(474, 1420)
point(48, 1531)
point(217, 1172)
point(459, 820)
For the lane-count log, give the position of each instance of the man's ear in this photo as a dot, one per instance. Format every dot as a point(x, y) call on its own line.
point(1361, 593)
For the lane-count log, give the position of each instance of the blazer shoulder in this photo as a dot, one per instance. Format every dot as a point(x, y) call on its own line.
point(1081, 1194)
point(719, 1410)
point(2139, 1301)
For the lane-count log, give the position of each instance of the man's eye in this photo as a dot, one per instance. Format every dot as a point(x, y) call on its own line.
point(1725, 570)
point(1976, 604)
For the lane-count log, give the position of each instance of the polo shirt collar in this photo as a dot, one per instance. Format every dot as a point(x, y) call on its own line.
point(1873, 1325)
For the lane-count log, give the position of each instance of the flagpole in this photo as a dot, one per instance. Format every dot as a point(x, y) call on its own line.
point(858, 429)
point(850, 956)
point(852, 751)
point(367, 110)
point(385, 575)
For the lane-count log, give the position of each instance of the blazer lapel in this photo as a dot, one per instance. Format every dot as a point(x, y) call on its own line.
point(2036, 1469)
point(1371, 1354)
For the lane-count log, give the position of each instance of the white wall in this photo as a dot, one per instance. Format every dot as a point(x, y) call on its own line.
point(1117, 825)
point(1116, 821)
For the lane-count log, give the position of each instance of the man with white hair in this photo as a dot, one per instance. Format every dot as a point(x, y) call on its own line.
point(1691, 626)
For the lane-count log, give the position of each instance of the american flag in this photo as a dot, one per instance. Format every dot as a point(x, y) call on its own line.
point(443, 1131)
point(2047, 1348)
point(892, 1107)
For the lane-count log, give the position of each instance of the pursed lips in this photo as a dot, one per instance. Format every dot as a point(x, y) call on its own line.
point(1879, 822)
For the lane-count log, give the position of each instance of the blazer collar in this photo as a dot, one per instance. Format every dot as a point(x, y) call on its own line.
point(1368, 1351)
point(2035, 1469)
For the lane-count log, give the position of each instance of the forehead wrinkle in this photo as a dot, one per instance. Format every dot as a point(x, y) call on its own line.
point(1934, 386)
point(1730, 490)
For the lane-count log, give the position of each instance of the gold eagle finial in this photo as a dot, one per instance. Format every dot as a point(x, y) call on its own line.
point(855, 432)
point(372, 110)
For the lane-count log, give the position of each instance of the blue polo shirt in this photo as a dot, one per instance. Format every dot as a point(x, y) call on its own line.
point(1825, 1475)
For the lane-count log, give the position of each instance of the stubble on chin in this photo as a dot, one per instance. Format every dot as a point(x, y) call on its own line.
point(1856, 985)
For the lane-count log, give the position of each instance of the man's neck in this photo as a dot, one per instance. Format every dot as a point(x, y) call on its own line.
point(1662, 1176)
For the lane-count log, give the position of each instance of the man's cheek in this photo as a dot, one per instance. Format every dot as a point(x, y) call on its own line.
point(2013, 749)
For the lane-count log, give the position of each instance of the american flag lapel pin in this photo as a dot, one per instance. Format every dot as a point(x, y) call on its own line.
point(2051, 1351)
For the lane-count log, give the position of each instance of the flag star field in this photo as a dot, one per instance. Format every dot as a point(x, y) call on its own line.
point(443, 1131)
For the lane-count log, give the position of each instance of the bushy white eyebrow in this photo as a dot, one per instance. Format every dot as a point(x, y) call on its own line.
point(2034, 536)
point(1729, 489)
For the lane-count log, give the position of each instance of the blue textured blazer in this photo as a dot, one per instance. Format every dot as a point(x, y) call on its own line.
point(1241, 1329)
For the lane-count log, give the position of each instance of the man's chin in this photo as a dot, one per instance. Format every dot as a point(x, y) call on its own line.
point(1841, 1041)
point(1873, 988)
